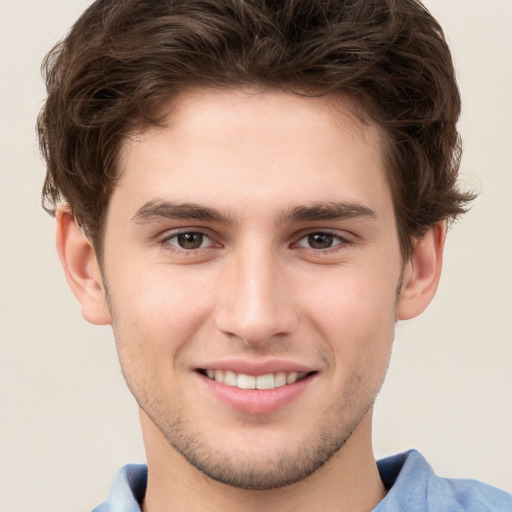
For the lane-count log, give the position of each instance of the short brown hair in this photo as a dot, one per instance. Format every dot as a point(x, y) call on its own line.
point(123, 59)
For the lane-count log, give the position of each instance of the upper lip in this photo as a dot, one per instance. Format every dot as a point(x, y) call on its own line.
point(256, 368)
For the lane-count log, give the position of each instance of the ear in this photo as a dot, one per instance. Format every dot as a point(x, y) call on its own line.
point(78, 259)
point(422, 273)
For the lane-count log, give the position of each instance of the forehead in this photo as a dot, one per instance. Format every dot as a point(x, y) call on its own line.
point(243, 148)
point(218, 113)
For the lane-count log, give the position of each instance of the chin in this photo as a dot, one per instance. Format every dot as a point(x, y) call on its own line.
point(261, 458)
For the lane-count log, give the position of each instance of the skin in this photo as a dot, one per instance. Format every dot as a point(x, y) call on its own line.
point(248, 174)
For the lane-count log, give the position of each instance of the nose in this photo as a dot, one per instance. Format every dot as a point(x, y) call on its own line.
point(255, 303)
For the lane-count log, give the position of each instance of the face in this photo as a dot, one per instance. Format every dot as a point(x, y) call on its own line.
point(252, 263)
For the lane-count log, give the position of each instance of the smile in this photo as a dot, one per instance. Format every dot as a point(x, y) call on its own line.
point(245, 381)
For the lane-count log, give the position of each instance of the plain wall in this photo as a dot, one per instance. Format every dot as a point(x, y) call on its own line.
point(67, 422)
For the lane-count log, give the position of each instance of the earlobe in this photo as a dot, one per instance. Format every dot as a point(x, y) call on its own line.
point(80, 265)
point(422, 273)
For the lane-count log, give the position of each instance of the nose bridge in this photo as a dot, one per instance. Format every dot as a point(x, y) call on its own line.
point(256, 305)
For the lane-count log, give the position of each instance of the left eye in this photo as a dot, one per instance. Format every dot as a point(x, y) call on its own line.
point(190, 240)
point(320, 241)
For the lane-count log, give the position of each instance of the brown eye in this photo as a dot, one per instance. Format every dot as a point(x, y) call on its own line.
point(320, 240)
point(189, 240)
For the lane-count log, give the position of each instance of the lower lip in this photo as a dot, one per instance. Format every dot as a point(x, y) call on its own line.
point(257, 401)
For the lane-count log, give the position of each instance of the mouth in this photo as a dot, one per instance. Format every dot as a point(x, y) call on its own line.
point(257, 388)
point(260, 382)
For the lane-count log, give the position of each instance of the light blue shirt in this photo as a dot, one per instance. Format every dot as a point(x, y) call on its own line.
point(413, 487)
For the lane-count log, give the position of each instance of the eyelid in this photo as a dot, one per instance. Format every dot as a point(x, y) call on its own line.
point(164, 239)
point(343, 238)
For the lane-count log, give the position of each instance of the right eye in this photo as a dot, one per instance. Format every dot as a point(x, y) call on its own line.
point(320, 240)
point(189, 240)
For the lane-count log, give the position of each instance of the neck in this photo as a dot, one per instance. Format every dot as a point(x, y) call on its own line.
point(349, 481)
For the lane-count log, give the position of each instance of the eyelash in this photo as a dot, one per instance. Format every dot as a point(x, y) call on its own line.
point(339, 241)
point(336, 238)
point(167, 244)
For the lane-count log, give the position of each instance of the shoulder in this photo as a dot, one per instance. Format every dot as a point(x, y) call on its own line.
point(127, 490)
point(414, 487)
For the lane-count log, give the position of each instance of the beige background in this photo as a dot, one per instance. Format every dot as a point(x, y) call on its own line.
point(66, 420)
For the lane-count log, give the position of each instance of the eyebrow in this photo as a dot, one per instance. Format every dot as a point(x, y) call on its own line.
point(159, 209)
point(330, 210)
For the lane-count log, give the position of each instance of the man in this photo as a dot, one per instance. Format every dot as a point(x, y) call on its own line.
point(252, 194)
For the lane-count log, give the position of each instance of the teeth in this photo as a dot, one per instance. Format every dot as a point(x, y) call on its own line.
point(265, 381)
point(230, 378)
point(244, 381)
point(291, 378)
point(280, 379)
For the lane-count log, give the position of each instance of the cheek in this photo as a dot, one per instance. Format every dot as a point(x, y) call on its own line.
point(355, 314)
point(156, 310)
point(361, 300)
